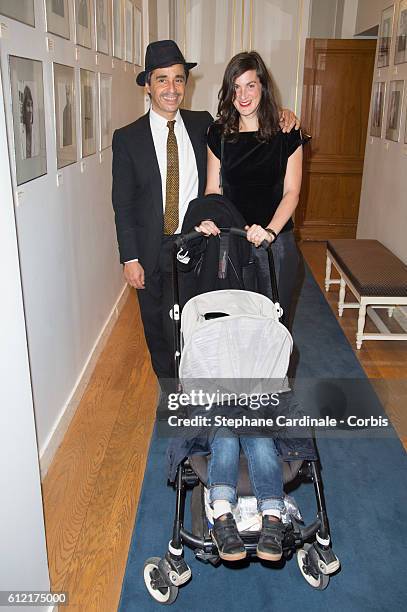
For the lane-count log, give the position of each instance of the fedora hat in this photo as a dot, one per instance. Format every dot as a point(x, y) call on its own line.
point(161, 54)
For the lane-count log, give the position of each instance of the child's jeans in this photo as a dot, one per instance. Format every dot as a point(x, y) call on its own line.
point(265, 469)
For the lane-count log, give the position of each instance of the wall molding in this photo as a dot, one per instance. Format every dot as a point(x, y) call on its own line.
point(56, 436)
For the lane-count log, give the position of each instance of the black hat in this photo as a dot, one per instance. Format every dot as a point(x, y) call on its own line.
point(161, 54)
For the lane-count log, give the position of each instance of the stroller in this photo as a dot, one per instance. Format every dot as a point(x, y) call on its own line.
point(198, 334)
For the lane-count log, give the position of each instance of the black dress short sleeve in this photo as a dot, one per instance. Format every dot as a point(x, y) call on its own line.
point(295, 139)
point(214, 139)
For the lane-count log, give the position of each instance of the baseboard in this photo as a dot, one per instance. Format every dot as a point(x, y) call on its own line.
point(48, 450)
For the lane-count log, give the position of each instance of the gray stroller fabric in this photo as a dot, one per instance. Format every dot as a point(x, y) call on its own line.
point(227, 301)
point(242, 354)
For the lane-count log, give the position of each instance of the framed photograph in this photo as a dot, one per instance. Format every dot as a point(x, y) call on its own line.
point(27, 92)
point(83, 23)
point(23, 10)
point(129, 31)
point(105, 110)
point(394, 102)
point(58, 17)
point(138, 42)
point(385, 32)
point(377, 109)
point(400, 55)
point(117, 13)
point(102, 26)
point(65, 114)
point(88, 112)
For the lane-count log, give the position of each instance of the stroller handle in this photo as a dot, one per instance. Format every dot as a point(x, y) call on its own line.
point(183, 239)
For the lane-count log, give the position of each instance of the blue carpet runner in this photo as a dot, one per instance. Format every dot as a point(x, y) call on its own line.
point(366, 496)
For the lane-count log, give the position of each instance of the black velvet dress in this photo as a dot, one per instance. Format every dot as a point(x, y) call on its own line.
point(253, 172)
point(253, 176)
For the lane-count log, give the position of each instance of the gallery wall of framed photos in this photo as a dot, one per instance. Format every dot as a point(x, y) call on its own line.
point(389, 113)
point(383, 211)
point(68, 72)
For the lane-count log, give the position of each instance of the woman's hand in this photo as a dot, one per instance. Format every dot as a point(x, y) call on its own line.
point(256, 234)
point(208, 228)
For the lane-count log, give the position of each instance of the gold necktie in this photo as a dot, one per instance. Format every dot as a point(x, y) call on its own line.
point(171, 213)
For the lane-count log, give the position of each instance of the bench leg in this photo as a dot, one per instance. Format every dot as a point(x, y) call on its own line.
point(361, 325)
point(342, 291)
point(327, 272)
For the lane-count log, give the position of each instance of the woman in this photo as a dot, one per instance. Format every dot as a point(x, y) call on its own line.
point(261, 168)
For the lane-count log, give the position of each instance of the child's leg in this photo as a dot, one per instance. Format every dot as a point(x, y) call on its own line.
point(266, 476)
point(223, 469)
point(222, 479)
point(265, 472)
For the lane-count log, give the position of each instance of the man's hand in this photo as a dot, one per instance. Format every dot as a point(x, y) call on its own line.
point(134, 274)
point(288, 120)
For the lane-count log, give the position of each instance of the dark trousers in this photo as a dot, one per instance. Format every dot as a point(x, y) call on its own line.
point(155, 302)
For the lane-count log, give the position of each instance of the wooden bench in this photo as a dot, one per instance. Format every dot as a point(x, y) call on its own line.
point(375, 276)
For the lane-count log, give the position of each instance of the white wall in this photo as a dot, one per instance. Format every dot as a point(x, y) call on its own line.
point(383, 206)
point(326, 18)
point(369, 12)
point(23, 555)
point(70, 269)
point(210, 32)
point(333, 18)
point(350, 11)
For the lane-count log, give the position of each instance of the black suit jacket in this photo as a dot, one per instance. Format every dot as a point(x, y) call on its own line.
point(137, 193)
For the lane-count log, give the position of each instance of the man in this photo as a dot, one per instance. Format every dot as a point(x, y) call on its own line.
point(159, 166)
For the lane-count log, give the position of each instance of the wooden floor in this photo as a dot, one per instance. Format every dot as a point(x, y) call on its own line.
point(92, 488)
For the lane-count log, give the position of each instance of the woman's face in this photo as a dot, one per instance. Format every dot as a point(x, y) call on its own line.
point(247, 93)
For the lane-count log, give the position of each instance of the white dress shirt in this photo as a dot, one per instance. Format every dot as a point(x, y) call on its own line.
point(188, 172)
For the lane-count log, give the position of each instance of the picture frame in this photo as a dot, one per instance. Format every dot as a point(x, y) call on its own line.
point(105, 110)
point(88, 112)
point(22, 11)
point(117, 20)
point(83, 23)
point(27, 94)
point(128, 29)
point(385, 36)
point(102, 26)
point(65, 115)
point(57, 14)
point(394, 104)
point(378, 98)
point(138, 38)
point(400, 52)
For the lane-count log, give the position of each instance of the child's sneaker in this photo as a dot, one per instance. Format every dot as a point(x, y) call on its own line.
point(227, 539)
point(269, 546)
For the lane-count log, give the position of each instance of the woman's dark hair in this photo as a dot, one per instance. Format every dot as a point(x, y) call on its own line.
point(267, 111)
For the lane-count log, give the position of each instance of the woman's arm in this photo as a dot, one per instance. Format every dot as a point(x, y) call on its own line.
point(291, 194)
point(292, 186)
point(212, 176)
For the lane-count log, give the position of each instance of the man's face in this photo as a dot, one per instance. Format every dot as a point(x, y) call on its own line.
point(167, 90)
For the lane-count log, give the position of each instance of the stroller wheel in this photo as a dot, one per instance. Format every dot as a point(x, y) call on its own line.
point(308, 564)
point(156, 583)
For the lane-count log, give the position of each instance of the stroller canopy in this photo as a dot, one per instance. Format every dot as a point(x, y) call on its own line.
point(227, 301)
point(245, 352)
